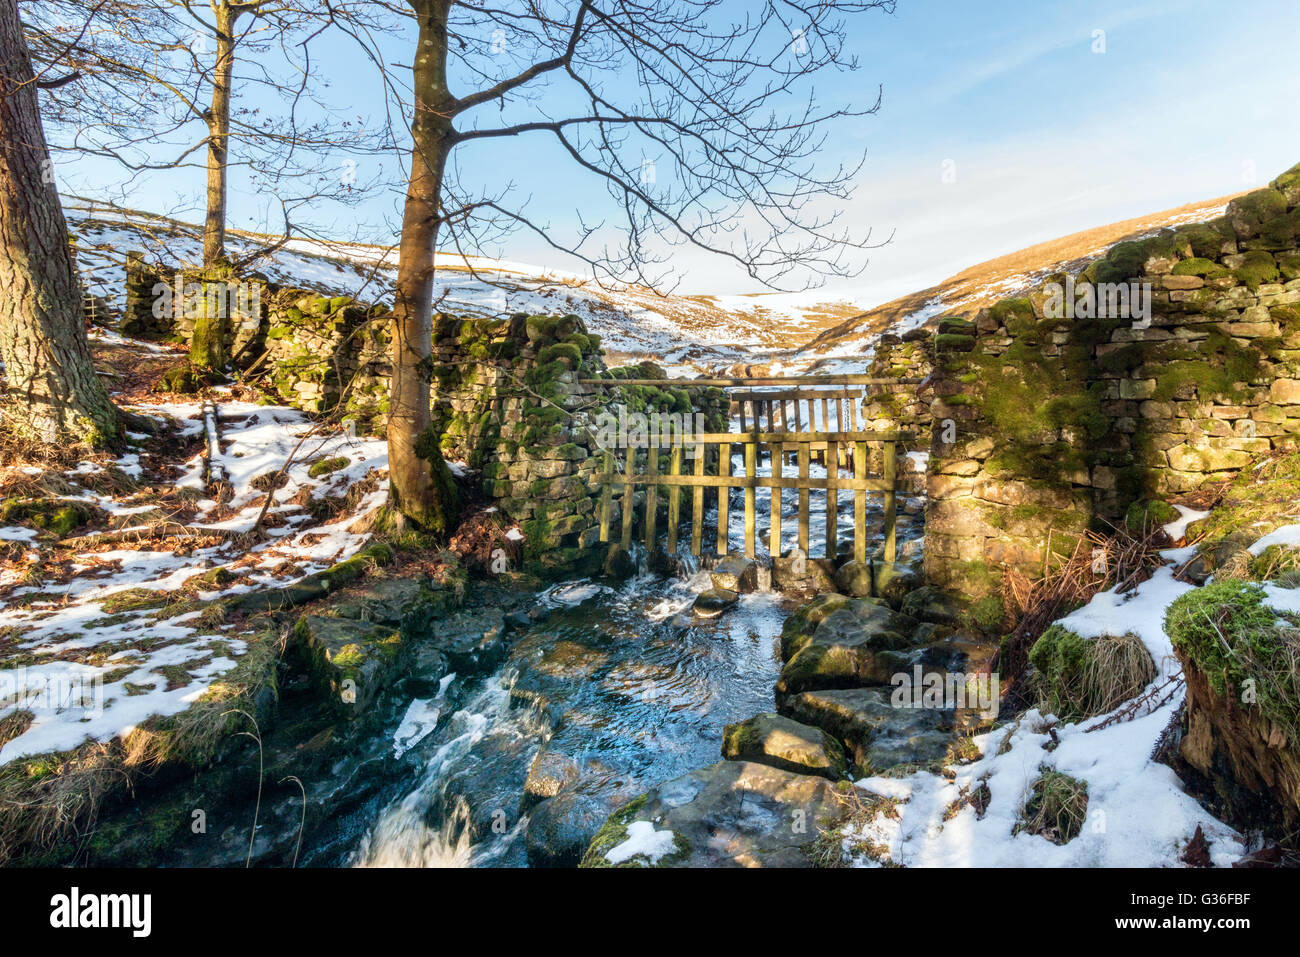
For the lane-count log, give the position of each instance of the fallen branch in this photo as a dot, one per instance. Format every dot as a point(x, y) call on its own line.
point(142, 533)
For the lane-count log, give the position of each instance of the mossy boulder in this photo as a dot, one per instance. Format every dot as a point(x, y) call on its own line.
point(783, 743)
point(932, 604)
point(351, 661)
point(1248, 214)
point(735, 573)
point(1288, 184)
point(878, 735)
point(712, 602)
point(799, 627)
point(862, 643)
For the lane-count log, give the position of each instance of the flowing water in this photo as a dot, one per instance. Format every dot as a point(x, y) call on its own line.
point(620, 688)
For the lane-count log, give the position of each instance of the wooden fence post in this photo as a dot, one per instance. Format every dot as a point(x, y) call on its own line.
point(606, 493)
point(751, 450)
point(674, 498)
point(629, 493)
point(891, 503)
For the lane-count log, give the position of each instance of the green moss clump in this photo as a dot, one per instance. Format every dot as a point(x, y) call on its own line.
point(1196, 266)
point(1016, 313)
point(564, 352)
point(947, 342)
point(1123, 261)
point(1242, 647)
point(1080, 677)
point(1255, 209)
point(1221, 627)
point(58, 517)
point(1143, 517)
point(1257, 268)
point(328, 466)
point(1206, 240)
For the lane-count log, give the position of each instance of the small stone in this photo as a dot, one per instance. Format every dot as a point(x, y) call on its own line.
point(784, 743)
point(735, 573)
point(714, 601)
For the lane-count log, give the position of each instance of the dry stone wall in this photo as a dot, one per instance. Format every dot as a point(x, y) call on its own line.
point(1048, 418)
point(508, 400)
point(511, 404)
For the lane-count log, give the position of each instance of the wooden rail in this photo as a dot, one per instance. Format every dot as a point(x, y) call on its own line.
point(676, 481)
point(777, 381)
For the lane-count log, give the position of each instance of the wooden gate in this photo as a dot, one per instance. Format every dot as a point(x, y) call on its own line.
point(771, 414)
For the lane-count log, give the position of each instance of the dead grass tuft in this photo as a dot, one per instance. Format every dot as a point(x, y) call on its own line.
point(1056, 808)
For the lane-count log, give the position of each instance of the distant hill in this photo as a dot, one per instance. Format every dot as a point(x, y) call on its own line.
point(982, 285)
point(686, 334)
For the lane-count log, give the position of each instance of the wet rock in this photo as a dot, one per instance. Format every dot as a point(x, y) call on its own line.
point(877, 734)
point(561, 827)
point(862, 643)
point(714, 601)
point(900, 745)
point(619, 563)
point(803, 577)
point(351, 661)
point(928, 603)
point(735, 573)
point(473, 640)
point(428, 666)
point(799, 627)
point(783, 743)
point(854, 578)
point(893, 582)
point(548, 775)
point(730, 814)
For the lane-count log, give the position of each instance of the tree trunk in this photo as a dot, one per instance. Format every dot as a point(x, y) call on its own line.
point(420, 483)
point(218, 118)
point(43, 342)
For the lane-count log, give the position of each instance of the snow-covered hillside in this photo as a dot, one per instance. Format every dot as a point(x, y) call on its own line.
point(841, 347)
point(689, 335)
point(685, 334)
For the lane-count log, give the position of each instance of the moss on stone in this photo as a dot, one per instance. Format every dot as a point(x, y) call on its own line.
point(1257, 268)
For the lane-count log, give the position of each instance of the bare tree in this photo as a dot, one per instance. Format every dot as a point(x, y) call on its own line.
point(42, 332)
point(154, 85)
point(722, 108)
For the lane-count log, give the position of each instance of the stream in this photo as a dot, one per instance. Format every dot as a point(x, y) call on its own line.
point(599, 692)
point(619, 689)
point(615, 692)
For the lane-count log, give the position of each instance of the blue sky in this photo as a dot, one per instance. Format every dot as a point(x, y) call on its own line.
point(1039, 134)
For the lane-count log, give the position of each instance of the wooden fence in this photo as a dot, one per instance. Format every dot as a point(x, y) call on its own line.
point(777, 445)
point(781, 422)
